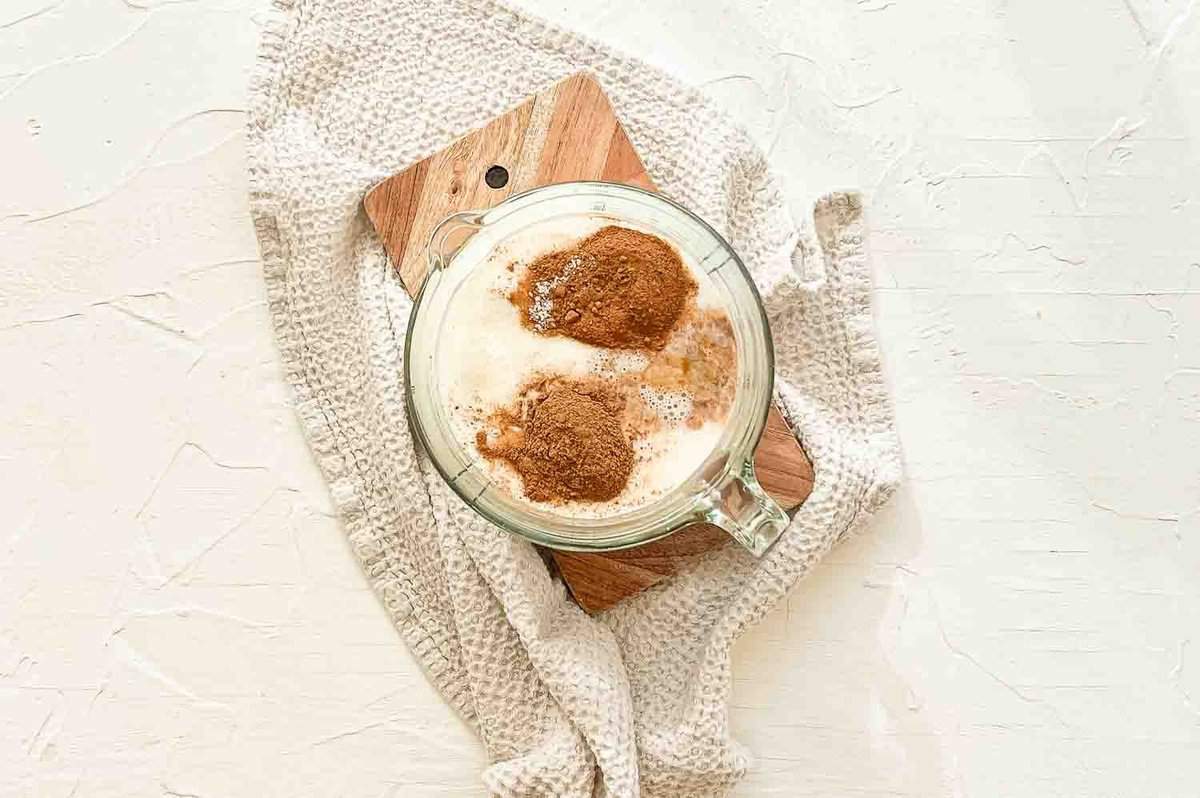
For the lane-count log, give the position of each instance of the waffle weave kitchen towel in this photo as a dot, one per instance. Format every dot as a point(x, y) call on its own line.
point(348, 92)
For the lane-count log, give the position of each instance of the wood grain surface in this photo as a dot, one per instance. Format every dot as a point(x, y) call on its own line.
point(568, 132)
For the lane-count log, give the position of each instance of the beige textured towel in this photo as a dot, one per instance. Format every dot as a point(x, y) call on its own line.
point(348, 92)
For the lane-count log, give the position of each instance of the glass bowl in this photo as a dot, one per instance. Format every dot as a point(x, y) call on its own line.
point(722, 489)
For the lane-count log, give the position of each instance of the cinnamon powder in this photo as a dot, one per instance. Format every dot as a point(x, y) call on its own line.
point(618, 288)
point(564, 439)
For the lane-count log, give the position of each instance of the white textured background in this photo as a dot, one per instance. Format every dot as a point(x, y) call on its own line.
point(180, 616)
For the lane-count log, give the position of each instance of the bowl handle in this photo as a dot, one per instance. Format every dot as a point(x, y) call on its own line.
point(450, 235)
point(740, 507)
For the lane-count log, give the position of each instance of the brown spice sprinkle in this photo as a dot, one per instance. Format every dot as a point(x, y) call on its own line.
point(618, 288)
point(702, 362)
point(565, 441)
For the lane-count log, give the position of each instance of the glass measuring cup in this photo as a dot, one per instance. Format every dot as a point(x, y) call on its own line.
point(722, 489)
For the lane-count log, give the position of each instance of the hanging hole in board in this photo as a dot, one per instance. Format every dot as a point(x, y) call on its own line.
point(496, 177)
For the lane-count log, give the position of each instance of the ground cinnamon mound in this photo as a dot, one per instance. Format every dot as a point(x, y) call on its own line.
point(618, 288)
point(565, 441)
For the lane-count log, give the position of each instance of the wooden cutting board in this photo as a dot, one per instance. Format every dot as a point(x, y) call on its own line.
point(568, 132)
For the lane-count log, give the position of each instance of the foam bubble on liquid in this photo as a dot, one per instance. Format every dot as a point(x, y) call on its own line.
point(673, 407)
point(630, 362)
point(607, 364)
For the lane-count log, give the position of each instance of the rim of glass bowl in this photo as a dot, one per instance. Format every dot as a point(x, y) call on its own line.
point(683, 505)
